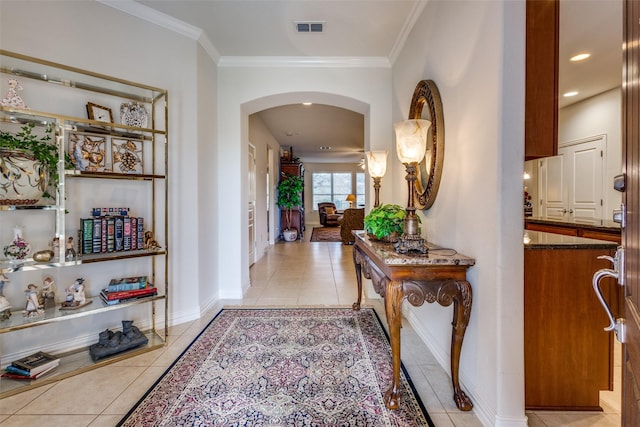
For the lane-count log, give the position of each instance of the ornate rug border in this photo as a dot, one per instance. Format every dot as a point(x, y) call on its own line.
point(324, 241)
point(237, 308)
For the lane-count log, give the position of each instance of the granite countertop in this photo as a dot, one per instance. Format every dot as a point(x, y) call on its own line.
point(588, 223)
point(436, 255)
point(542, 240)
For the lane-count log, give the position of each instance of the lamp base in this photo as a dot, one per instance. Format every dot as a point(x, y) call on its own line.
point(411, 243)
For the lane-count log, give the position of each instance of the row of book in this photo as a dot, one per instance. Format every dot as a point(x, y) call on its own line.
point(110, 234)
point(127, 289)
point(31, 367)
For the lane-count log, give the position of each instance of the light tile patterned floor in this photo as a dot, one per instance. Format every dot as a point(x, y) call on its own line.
point(295, 273)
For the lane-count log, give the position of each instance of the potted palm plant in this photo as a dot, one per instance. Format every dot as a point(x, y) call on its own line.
point(29, 165)
point(289, 197)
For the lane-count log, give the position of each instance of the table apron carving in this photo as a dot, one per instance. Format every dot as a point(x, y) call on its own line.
point(417, 284)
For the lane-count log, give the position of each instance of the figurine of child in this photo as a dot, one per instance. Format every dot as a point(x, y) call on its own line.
point(54, 244)
point(70, 253)
point(5, 306)
point(47, 294)
point(75, 294)
point(32, 308)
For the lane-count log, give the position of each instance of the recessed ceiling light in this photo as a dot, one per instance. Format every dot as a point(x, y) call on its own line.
point(580, 57)
point(570, 94)
point(325, 147)
point(307, 103)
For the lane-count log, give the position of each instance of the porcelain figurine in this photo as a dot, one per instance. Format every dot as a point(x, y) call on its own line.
point(75, 294)
point(70, 252)
point(47, 294)
point(5, 306)
point(32, 307)
point(12, 99)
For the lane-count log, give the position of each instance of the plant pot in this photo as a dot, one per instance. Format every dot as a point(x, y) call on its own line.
point(290, 235)
point(23, 180)
point(390, 238)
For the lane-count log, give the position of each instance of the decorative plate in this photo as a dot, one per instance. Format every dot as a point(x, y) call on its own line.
point(133, 114)
point(127, 155)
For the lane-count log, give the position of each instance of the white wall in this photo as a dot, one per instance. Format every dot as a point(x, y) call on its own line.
point(244, 90)
point(474, 51)
point(598, 115)
point(125, 47)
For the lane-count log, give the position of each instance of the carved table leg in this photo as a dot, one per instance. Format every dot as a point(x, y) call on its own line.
point(460, 292)
point(393, 300)
point(356, 305)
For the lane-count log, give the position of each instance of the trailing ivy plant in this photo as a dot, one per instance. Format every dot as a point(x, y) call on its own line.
point(40, 147)
point(384, 220)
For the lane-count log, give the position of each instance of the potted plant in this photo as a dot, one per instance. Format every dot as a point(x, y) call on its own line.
point(289, 197)
point(385, 222)
point(29, 165)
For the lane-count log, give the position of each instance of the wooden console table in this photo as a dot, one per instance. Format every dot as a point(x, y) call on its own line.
point(438, 276)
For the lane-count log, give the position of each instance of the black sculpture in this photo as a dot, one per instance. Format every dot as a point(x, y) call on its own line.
point(115, 342)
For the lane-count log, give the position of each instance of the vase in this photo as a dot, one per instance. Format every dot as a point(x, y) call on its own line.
point(23, 180)
point(18, 249)
point(290, 235)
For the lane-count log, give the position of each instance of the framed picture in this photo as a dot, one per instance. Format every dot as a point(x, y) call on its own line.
point(99, 113)
point(87, 151)
point(126, 155)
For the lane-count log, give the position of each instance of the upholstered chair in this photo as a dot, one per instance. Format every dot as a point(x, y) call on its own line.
point(329, 215)
point(352, 219)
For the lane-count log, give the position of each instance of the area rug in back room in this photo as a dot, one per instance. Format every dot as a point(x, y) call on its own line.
point(282, 367)
point(325, 234)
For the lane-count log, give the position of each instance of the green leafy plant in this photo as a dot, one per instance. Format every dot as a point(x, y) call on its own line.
point(39, 146)
point(385, 220)
point(289, 195)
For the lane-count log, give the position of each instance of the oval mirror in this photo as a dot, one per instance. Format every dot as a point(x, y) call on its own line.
point(429, 170)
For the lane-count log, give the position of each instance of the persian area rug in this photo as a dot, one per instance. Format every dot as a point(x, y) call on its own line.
point(282, 367)
point(325, 234)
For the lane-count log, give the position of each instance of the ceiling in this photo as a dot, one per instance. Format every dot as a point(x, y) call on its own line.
point(360, 32)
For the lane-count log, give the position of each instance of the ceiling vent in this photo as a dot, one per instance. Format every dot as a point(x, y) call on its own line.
point(309, 26)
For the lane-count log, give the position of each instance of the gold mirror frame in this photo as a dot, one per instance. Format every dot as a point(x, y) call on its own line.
point(429, 170)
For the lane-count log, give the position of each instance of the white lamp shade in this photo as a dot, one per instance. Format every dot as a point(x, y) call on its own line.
point(411, 139)
point(377, 163)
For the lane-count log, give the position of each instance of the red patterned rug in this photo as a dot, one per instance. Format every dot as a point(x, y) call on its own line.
point(325, 234)
point(282, 367)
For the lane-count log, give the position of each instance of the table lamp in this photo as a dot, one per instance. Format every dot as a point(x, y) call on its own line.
point(351, 198)
point(377, 165)
point(411, 145)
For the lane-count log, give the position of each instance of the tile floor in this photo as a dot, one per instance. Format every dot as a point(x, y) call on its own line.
point(296, 273)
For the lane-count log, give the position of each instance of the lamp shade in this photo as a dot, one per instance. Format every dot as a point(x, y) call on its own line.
point(411, 139)
point(351, 198)
point(377, 163)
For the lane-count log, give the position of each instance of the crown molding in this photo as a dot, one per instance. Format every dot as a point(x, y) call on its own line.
point(416, 11)
point(305, 61)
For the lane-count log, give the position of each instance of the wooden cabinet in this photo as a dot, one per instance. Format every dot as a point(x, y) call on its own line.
point(541, 93)
point(610, 234)
point(568, 355)
point(120, 161)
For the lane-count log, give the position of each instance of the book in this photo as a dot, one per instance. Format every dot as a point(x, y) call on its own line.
point(9, 374)
point(141, 233)
point(129, 294)
point(34, 363)
point(126, 234)
point(97, 235)
point(127, 284)
point(104, 296)
point(86, 226)
point(118, 231)
point(103, 236)
point(134, 233)
point(111, 234)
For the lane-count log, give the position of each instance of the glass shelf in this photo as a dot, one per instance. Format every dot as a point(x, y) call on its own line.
point(112, 175)
point(73, 363)
point(17, 321)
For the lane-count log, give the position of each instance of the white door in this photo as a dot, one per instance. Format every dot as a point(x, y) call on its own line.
point(252, 203)
point(552, 187)
point(571, 183)
point(584, 173)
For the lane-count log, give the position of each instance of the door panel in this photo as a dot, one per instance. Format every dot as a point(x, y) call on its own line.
point(552, 186)
point(584, 175)
point(631, 199)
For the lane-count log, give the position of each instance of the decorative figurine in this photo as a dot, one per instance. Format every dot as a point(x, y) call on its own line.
point(70, 253)
point(18, 249)
point(32, 308)
point(47, 294)
point(150, 242)
point(12, 99)
point(75, 295)
point(54, 244)
point(5, 306)
point(115, 342)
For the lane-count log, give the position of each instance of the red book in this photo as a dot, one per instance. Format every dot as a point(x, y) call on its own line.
point(130, 294)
